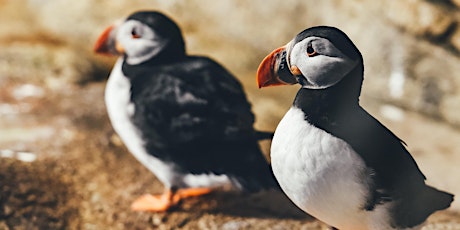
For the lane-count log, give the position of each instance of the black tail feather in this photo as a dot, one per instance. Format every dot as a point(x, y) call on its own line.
point(437, 199)
point(415, 209)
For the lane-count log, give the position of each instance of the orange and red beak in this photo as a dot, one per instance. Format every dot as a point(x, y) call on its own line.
point(274, 70)
point(107, 43)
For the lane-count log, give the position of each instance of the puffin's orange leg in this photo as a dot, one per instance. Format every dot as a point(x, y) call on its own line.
point(153, 203)
point(190, 192)
point(170, 198)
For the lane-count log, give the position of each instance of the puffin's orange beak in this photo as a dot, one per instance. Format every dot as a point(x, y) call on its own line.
point(102, 43)
point(107, 44)
point(270, 68)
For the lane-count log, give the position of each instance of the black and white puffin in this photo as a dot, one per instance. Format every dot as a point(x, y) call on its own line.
point(332, 158)
point(185, 118)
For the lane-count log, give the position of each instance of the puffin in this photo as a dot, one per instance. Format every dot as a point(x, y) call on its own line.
point(333, 159)
point(185, 118)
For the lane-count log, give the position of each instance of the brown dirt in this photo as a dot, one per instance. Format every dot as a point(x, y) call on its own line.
point(84, 178)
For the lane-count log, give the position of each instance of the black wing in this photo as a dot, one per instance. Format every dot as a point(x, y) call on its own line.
point(396, 176)
point(195, 114)
point(381, 150)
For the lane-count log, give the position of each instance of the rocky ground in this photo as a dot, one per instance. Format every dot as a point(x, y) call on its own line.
point(70, 171)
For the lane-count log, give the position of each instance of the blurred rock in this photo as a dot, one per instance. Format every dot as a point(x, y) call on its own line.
point(455, 39)
point(30, 53)
point(456, 2)
point(27, 204)
point(420, 17)
point(51, 64)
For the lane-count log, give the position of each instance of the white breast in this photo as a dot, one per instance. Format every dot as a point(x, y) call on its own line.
point(120, 109)
point(322, 174)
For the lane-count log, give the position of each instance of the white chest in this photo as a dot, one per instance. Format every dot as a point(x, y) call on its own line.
point(120, 110)
point(320, 173)
point(117, 100)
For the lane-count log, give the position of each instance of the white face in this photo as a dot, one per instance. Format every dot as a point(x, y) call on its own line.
point(320, 62)
point(139, 41)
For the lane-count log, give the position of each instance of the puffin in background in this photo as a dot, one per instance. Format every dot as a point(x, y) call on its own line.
point(332, 158)
point(185, 118)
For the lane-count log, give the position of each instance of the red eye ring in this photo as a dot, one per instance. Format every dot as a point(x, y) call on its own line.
point(134, 34)
point(310, 51)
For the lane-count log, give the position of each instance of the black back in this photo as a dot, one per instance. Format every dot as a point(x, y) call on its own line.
point(194, 113)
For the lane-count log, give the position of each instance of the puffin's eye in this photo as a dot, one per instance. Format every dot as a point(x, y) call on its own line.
point(311, 51)
point(135, 33)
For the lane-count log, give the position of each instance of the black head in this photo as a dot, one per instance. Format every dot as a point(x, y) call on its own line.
point(144, 36)
point(319, 58)
point(337, 37)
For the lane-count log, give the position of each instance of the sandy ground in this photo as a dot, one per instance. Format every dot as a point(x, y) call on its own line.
point(70, 171)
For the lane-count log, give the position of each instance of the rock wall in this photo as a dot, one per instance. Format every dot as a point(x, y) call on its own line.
point(423, 51)
point(411, 48)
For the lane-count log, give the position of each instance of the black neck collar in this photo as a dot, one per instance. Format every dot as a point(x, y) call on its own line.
point(325, 105)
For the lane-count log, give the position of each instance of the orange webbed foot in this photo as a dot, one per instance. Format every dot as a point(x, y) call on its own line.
point(190, 192)
point(167, 200)
point(152, 203)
